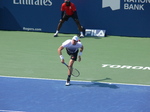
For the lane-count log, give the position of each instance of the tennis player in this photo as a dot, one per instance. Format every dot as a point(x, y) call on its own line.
point(68, 9)
point(73, 46)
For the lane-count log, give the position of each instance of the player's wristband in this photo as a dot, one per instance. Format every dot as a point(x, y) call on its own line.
point(80, 53)
point(61, 57)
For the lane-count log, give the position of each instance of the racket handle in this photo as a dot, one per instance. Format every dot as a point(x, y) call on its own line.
point(65, 64)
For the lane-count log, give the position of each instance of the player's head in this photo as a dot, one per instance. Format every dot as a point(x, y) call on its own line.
point(75, 39)
point(67, 2)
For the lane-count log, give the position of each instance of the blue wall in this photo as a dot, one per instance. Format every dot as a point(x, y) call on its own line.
point(117, 17)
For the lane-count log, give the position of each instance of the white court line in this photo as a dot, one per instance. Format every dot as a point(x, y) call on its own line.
point(10, 111)
point(74, 81)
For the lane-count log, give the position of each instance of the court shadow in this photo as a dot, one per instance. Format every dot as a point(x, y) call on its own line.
point(9, 22)
point(96, 83)
point(65, 35)
point(94, 37)
point(105, 79)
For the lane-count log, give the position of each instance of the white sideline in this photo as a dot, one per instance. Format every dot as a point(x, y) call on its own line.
point(73, 80)
point(10, 111)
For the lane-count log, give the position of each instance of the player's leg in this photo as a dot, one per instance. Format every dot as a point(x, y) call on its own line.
point(73, 58)
point(65, 18)
point(58, 27)
point(69, 71)
point(75, 17)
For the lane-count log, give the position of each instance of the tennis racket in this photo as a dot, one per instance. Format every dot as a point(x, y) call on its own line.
point(74, 71)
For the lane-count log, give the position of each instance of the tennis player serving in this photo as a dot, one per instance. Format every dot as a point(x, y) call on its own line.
point(74, 49)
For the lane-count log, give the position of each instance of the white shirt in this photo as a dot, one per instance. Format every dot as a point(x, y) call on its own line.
point(70, 47)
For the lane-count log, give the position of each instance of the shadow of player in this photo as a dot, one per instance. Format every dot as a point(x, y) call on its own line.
point(97, 83)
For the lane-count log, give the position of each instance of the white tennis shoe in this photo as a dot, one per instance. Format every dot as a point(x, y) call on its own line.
point(56, 35)
point(81, 36)
point(68, 83)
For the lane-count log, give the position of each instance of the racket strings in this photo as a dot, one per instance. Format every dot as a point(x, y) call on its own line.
point(75, 72)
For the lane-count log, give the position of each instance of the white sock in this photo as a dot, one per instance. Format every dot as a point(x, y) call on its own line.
point(57, 31)
point(81, 33)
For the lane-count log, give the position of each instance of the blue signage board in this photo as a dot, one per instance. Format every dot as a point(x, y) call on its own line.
point(117, 17)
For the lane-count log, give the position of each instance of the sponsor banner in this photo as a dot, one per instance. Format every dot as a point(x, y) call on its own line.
point(125, 67)
point(33, 2)
point(31, 29)
point(136, 5)
point(117, 17)
point(95, 33)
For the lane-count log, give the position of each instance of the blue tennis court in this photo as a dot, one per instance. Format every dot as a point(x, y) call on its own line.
point(44, 95)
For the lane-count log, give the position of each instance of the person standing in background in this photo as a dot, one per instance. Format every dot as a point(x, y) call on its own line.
point(68, 9)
